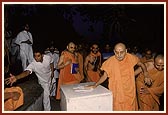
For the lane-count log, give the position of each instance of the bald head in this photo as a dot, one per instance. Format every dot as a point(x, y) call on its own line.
point(71, 43)
point(158, 57)
point(120, 46)
point(120, 51)
point(159, 62)
point(71, 47)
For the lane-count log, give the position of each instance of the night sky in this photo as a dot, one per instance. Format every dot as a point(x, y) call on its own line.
point(134, 24)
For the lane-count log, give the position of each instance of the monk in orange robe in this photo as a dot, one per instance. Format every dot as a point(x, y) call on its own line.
point(67, 58)
point(148, 96)
point(147, 57)
point(120, 70)
point(92, 64)
point(13, 98)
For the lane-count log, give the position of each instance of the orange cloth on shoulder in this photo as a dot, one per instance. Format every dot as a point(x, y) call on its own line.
point(10, 104)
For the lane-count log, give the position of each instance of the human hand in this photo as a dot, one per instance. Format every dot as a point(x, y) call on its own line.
point(148, 81)
point(90, 86)
point(144, 90)
point(10, 80)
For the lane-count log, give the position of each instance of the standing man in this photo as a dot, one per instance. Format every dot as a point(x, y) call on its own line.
point(67, 59)
point(92, 64)
point(44, 70)
point(147, 56)
point(107, 52)
point(120, 70)
point(80, 61)
point(55, 57)
point(148, 96)
point(25, 41)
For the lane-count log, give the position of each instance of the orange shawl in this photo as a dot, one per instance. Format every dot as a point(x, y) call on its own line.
point(10, 104)
point(122, 82)
point(150, 102)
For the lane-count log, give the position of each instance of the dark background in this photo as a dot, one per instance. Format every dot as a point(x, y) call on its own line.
point(134, 24)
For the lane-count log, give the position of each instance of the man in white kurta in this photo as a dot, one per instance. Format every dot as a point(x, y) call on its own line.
point(25, 40)
point(43, 68)
point(55, 55)
point(43, 72)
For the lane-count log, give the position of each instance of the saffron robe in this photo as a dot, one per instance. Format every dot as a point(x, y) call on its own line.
point(65, 76)
point(150, 102)
point(11, 104)
point(94, 75)
point(122, 82)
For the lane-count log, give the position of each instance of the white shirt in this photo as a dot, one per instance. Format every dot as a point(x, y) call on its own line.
point(41, 69)
point(24, 36)
point(55, 57)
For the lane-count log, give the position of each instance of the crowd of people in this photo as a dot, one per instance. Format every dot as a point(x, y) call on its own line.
point(136, 79)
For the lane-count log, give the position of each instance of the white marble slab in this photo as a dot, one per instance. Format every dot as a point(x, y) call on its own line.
point(77, 98)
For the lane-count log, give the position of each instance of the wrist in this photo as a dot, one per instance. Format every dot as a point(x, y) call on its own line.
point(63, 65)
point(16, 78)
point(96, 84)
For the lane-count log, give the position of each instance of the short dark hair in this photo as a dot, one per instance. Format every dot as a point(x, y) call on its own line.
point(38, 50)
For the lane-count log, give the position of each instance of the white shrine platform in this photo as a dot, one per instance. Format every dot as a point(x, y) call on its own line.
point(77, 98)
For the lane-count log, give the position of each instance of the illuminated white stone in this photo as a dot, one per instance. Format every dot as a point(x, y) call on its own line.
point(76, 98)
